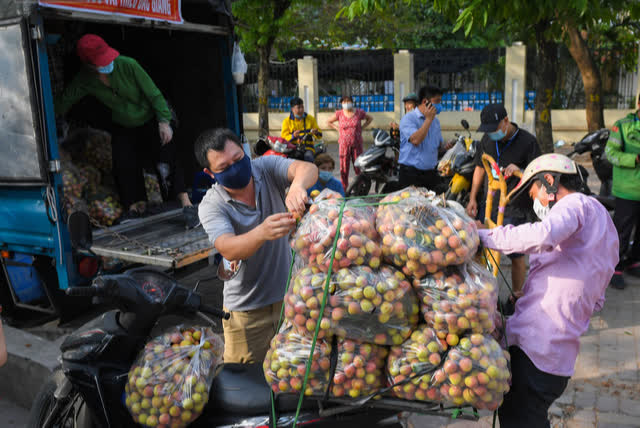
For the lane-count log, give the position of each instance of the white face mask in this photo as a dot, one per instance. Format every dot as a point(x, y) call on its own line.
point(347, 106)
point(540, 210)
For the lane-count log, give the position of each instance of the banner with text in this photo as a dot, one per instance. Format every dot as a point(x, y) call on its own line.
point(157, 10)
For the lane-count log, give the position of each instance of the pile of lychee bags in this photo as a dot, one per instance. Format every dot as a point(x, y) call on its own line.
point(405, 307)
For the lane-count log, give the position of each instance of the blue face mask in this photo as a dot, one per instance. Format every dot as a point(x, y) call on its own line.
point(438, 108)
point(298, 116)
point(498, 135)
point(237, 175)
point(107, 69)
point(325, 176)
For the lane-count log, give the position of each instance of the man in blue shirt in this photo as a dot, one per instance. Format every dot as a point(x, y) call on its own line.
point(326, 180)
point(420, 139)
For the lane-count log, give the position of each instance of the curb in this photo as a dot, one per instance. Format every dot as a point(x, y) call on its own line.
point(31, 360)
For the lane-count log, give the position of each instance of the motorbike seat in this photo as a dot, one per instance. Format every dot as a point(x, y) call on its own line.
point(241, 389)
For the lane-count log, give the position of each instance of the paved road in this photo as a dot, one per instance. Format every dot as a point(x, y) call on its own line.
point(12, 415)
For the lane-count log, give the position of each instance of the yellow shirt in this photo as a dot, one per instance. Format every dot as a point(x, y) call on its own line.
point(291, 124)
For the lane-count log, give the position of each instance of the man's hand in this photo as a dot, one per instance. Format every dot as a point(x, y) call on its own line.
point(296, 134)
point(429, 112)
point(472, 208)
point(480, 225)
point(165, 131)
point(296, 199)
point(277, 225)
point(509, 170)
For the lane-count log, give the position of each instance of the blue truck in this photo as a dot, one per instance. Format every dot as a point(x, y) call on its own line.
point(189, 61)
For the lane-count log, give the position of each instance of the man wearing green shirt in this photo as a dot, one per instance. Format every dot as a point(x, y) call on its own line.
point(623, 151)
point(140, 117)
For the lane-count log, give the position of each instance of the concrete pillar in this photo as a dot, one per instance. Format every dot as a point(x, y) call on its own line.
point(308, 84)
point(403, 82)
point(515, 78)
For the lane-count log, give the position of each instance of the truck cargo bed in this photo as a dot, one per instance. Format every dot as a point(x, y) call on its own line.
point(158, 240)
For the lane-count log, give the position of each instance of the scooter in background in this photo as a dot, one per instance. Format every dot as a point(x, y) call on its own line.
point(458, 163)
point(376, 166)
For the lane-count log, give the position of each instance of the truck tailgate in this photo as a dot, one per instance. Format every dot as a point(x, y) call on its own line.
point(159, 240)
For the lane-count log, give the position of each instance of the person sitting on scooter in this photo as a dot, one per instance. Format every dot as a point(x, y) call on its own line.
point(326, 180)
point(573, 251)
point(623, 150)
point(297, 125)
point(245, 216)
point(138, 121)
point(420, 140)
point(513, 149)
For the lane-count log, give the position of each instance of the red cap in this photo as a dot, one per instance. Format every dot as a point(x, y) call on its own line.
point(94, 50)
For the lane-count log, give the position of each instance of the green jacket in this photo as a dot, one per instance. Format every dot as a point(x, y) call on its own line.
point(132, 97)
point(622, 151)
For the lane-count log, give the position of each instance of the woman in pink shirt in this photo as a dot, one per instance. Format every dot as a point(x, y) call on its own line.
point(349, 135)
point(573, 252)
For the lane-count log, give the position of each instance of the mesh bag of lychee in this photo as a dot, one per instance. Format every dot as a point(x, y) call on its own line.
point(169, 383)
point(457, 300)
point(372, 305)
point(474, 373)
point(420, 237)
point(355, 368)
point(73, 182)
point(327, 193)
point(410, 366)
point(357, 242)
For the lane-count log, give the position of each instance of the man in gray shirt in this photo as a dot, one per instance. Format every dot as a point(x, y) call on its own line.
point(245, 215)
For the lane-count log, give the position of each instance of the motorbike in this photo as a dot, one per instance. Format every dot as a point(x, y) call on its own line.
point(458, 163)
point(595, 143)
point(376, 166)
point(87, 390)
point(278, 146)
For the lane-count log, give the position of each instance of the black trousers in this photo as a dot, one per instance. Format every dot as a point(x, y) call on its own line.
point(410, 176)
point(135, 150)
point(627, 215)
point(532, 393)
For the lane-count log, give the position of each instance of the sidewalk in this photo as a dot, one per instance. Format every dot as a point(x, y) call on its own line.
point(604, 391)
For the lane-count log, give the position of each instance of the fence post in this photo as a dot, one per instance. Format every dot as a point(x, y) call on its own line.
point(515, 81)
point(403, 82)
point(308, 84)
point(637, 98)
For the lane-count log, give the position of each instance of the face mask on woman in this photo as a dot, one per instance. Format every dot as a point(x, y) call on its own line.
point(325, 176)
point(347, 106)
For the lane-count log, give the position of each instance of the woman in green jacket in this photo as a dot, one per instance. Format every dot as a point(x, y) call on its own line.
point(139, 119)
point(623, 151)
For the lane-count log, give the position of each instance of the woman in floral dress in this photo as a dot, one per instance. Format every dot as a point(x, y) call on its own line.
point(349, 129)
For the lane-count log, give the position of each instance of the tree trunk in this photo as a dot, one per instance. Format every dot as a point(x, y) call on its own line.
point(590, 77)
point(263, 90)
point(545, 83)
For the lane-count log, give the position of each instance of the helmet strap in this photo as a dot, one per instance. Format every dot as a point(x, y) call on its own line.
point(552, 189)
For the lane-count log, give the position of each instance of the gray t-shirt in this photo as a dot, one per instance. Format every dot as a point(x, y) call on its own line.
point(262, 279)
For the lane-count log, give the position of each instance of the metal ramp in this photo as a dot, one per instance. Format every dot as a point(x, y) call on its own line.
point(158, 240)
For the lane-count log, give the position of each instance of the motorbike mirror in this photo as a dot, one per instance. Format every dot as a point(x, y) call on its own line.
point(559, 143)
point(464, 124)
point(80, 231)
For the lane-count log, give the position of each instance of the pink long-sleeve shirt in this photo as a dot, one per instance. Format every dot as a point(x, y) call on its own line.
point(573, 253)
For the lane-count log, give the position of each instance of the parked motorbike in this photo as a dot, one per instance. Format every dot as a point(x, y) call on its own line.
point(458, 163)
point(376, 166)
point(278, 146)
point(595, 143)
point(88, 389)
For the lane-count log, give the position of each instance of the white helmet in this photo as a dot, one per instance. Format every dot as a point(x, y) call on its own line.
point(551, 163)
